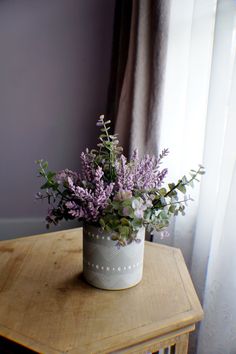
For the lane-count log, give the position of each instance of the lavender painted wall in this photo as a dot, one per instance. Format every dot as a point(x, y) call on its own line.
point(54, 70)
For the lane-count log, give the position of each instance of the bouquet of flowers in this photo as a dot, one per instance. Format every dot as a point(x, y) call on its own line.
point(114, 193)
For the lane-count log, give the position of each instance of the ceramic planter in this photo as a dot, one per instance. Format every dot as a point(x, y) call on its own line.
point(106, 266)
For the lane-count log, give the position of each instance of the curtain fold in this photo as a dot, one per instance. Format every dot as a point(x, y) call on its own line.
point(138, 108)
point(120, 49)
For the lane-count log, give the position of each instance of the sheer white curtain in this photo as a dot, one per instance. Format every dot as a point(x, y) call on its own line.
point(185, 102)
point(199, 126)
point(218, 331)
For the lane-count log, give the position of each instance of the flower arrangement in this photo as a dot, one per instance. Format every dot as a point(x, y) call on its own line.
point(115, 193)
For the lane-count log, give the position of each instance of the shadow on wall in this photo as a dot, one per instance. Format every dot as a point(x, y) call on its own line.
point(54, 69)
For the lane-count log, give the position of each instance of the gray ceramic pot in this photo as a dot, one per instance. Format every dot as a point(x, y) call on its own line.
point(106, 266)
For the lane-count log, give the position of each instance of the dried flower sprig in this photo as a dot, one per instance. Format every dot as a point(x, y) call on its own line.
point(115, 193)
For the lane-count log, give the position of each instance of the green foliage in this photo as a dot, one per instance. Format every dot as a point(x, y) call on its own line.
point(52, 191)
point(47, 175)
point(108, 150)
point(125, 217)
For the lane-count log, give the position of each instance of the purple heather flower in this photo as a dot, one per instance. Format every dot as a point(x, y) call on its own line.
point(139, 174)
point(147, 174)
point(61, 176)
point(70, 205)
point(75, 210)
point(134, 156)
point(89, 203)
point(82, 194)
point(124, 175)
point(87, 161)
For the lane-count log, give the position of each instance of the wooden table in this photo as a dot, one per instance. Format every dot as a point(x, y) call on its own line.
point(47, 307)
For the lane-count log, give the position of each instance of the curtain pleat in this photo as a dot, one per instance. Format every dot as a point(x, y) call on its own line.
point(138, 101)
point(120, 49)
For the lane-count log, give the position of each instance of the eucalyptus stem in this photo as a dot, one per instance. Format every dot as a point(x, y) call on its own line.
point(179, 202)
point(184, 183)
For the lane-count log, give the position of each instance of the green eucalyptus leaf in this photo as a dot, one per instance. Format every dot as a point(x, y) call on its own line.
point(163, 201)
point(51, 174)
point(45, 164)
point(172, 209)
point(191, 183)
point(102, 223)
point(124, 231)
point(182, 188)
point(108, 228)
point(124, 221)
point(162, 192)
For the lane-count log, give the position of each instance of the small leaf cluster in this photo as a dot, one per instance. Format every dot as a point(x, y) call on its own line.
point(171, 200)
point(154, 209)
point(47, 175)
point(108, 150)
point(123, 218)
point(54, 193)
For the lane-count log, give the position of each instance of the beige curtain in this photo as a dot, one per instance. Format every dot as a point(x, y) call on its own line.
point(139, 100)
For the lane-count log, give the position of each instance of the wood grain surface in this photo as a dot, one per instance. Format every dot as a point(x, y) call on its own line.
point(46, 306)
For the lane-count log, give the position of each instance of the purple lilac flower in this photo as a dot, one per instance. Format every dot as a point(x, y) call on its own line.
point(147, 170)
point(124, 175)
point(82, 193)
point(87, 166)
point(89, 203)
point(74, 210)
point(140, 174)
